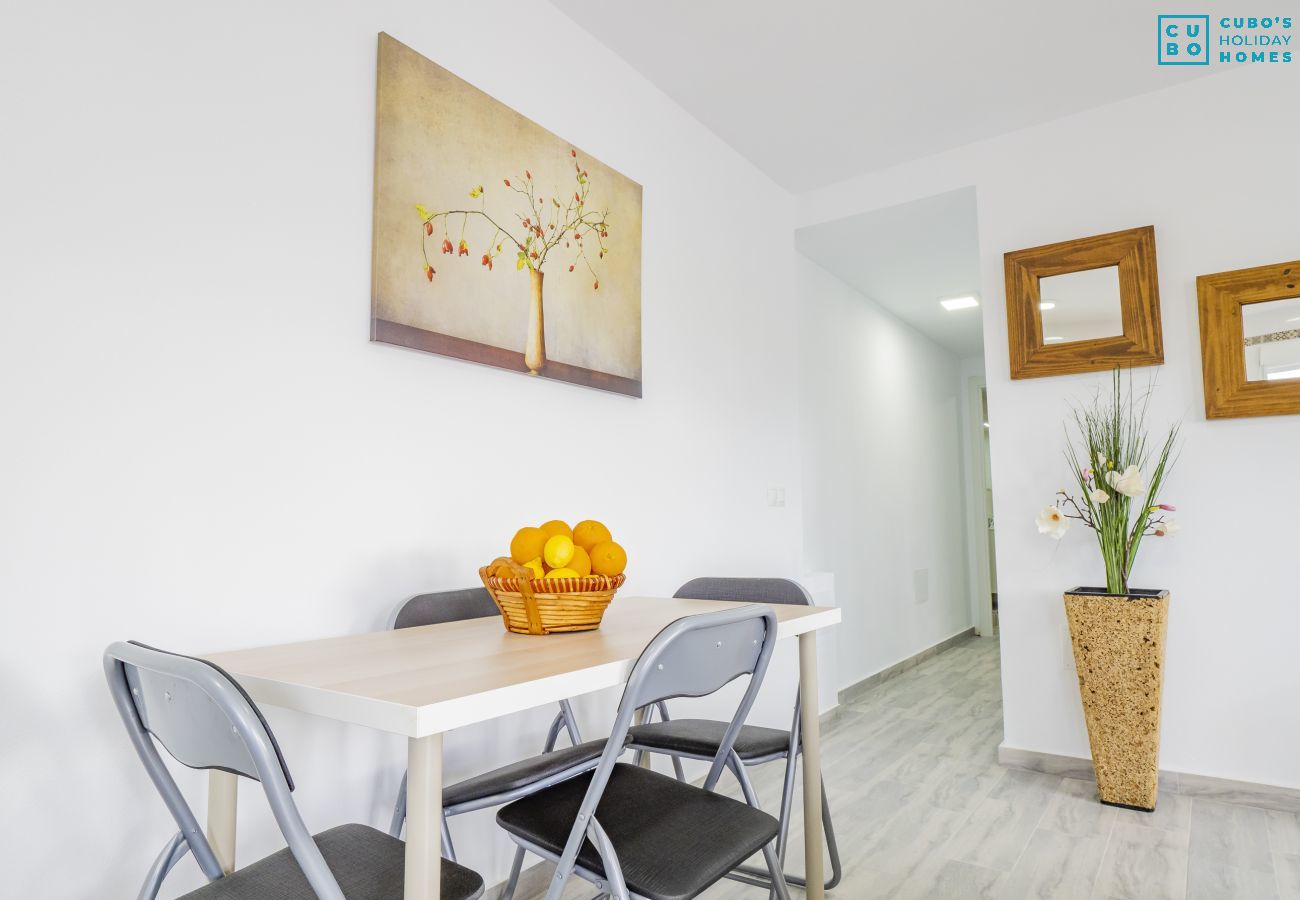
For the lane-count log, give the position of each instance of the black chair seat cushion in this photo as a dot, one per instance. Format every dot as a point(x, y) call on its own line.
point(367, 864)
point(702, 737)
point(673, 840)
point(521, 774)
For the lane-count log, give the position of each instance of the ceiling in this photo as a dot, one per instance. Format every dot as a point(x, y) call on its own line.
point(907, 258)
point(821, 90)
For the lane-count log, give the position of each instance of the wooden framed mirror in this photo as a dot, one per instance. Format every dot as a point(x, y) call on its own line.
point(1084, 305)
point(1250, 341)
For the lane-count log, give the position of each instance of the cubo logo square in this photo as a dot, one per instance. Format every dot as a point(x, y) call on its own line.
point(1183, 40)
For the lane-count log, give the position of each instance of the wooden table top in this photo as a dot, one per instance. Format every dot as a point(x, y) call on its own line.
point(430, 679)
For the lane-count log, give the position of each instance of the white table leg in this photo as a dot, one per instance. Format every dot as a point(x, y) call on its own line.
point(223, 801)
point(424, 818)
point(812, 766)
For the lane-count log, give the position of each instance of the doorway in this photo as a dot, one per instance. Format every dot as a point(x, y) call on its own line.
point(981, 526)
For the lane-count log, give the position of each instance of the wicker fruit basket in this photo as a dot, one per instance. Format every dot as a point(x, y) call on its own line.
point(550, 605)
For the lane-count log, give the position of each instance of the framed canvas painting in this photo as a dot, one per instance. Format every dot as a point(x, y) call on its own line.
point(496, 241)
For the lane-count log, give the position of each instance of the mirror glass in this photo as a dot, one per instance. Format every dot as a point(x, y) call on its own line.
point(1272, 334)
point(1080, 306)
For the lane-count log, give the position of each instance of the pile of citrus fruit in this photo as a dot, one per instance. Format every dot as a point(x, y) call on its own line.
point(554, 550)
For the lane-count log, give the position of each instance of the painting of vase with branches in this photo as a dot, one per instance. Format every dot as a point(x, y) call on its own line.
point(495, 240)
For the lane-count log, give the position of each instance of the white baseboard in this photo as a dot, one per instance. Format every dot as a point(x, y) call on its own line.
point(857, 689)
point(1246, 793)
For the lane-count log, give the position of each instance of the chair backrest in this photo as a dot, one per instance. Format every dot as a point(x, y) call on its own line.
point(696, 656)
point(204, 719)
point(446, 606)
point(692, 657)
point(746, 590)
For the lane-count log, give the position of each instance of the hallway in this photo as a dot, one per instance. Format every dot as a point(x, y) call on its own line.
point(924, 811)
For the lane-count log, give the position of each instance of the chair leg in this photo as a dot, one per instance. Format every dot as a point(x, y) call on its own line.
point(570, 722)
point(609, 860)
point(787, 805)
point(162, 864)
point(746, 786)
point(448, 851)
point(828, 829)
point(553, 733)
point(399, 811)
point(779, 887)
point(678, 770)
point(837, 869)
point(512, 882)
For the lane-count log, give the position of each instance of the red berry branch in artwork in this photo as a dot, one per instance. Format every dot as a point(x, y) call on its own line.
point(541, 227)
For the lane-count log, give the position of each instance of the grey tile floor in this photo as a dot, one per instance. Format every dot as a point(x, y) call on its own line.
point(923, 810)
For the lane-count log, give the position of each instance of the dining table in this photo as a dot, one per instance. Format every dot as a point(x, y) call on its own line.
point(423, 682)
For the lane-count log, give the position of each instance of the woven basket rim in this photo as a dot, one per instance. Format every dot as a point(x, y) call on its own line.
point(590, 584)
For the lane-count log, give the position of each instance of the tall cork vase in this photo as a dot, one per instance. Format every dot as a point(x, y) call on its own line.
point(1119, 652)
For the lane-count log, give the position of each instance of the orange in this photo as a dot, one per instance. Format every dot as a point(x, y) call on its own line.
point(581, 562)
point(588, 533)
point(608, 558)
point(558, 551)
point(557, 526)
point(527, 544)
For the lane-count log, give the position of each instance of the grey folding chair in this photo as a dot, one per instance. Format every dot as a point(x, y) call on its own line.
point(700, 738)
point(508, 782)
point(203, 718)
point(635, 833)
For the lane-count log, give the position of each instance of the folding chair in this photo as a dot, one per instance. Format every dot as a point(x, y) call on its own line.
point(640, 835)
point(700, 738)
point(509, 782)
point(204, 719)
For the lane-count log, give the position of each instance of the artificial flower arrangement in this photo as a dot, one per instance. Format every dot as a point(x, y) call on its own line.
point(1110, 458)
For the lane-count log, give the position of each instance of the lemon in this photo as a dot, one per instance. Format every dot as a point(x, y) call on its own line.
point(562, 573)
point(535, 566)
point(558, 551)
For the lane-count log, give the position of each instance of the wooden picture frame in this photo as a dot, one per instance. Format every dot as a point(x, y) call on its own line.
point(478, 213)
point(1221, 297)
point(1134, 253)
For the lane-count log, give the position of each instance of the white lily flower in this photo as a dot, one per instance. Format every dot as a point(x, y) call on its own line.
point(1053, 522)
point(1098, 496)
point(1167, 528)
point(1129, 482)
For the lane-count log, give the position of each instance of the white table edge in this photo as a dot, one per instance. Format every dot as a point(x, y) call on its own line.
point(445, 715)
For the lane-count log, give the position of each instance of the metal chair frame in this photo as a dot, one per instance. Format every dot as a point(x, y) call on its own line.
point(677, 663)
point(220, 728)
point(750, 874)
point(564, 721)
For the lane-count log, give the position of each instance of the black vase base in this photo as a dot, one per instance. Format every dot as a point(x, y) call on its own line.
point(1128, 806)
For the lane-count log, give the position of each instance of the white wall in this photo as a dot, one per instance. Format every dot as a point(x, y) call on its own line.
point(1206, 163)
point(203, 451)
point(882, 474)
